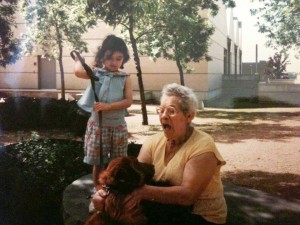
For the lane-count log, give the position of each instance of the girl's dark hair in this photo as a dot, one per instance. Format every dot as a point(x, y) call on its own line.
point(113, 44)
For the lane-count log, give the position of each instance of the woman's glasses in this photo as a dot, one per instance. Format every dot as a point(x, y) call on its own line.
point(169, 110)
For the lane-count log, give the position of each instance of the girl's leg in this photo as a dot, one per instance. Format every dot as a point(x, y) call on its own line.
point(96, 171)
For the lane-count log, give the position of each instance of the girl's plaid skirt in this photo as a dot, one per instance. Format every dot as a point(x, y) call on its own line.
point(114, 141)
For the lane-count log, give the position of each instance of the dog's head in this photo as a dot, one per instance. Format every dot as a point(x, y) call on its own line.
point(124, 174)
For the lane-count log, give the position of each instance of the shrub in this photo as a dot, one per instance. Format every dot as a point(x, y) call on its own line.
point(43, 113)
point(255, 102)
point(19, 112)
point(33, 176)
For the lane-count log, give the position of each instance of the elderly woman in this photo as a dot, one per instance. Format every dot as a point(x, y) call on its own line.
point(185, 157)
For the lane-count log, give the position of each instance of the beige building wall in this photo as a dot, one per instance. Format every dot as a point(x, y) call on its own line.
point(237, 44)
point(22, 74)
point(216, 51)
point(205, 79)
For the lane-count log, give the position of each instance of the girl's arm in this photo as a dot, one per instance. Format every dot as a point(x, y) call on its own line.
point(79, 70)
point(123, 104)
point(197, 174)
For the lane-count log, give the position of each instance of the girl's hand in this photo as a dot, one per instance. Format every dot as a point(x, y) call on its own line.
point(101, 106)
point(99, 200)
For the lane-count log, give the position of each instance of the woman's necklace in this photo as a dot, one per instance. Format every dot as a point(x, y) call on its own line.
point(174, 145)
point(178, 143)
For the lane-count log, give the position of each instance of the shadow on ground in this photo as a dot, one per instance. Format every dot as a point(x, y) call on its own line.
point(252, 207)
point(237, 132)
point(239, 126)
point(287, 188)
point(249, 116)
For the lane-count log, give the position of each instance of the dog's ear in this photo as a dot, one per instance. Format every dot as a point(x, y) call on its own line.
point(121, 175)
point(129, 176)
point(147, 171)
point(124, 174)
point(108, 175)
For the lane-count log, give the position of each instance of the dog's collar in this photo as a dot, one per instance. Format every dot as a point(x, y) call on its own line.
point(106, 188)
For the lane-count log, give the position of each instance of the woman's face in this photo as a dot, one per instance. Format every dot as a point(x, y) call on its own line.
point(174, 122)
point(113, 62)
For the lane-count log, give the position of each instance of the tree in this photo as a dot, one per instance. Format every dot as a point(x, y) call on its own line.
point(54, 23)
point(276, 65)
point(141, 19)
point(9, 46)
point(279, 20)
point(127, 13)
point(179, 33)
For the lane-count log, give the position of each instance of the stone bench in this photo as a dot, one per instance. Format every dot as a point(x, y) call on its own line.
point(245, 206)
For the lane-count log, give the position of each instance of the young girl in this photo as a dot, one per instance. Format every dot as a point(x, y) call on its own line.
point(114, 91)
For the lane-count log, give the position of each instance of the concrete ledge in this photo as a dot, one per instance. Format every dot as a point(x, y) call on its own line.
point(40, 93)
point(245, 206)
point(75, 201)
point(280, 91)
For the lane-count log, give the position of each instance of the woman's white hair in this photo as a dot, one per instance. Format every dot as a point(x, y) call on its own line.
point(188, 100)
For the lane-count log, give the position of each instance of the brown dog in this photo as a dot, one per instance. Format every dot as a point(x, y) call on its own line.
point(122, 176)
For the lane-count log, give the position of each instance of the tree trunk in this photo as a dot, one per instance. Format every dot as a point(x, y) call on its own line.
point(61, 67)
point(62, 77)
point(180, 71)
point(139, 72)
point(179, 66)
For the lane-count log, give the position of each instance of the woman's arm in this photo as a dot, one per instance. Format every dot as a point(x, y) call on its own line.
point(197, 174)
point(123, 104)
point(79, 70)
point(144, 155)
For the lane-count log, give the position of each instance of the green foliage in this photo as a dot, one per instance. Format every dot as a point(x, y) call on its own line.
point(141, 19)
point(180, 33)
point(51, 23)
point(9, 46)
point(276, 65)
point(254, 102)
point(33, 176)
point(117, 12)
point(19, 113)
point(127, 14)
point(280, 21)
point(177, 32)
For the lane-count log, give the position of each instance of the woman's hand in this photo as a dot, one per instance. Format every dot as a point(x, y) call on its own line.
point(101, 106)
point(132, 200)
point(99, 200)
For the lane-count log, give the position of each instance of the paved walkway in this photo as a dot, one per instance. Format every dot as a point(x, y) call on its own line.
point(252, 207)
point(245, 206)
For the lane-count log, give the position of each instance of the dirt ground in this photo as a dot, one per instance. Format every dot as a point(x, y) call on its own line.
point(261, 146)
